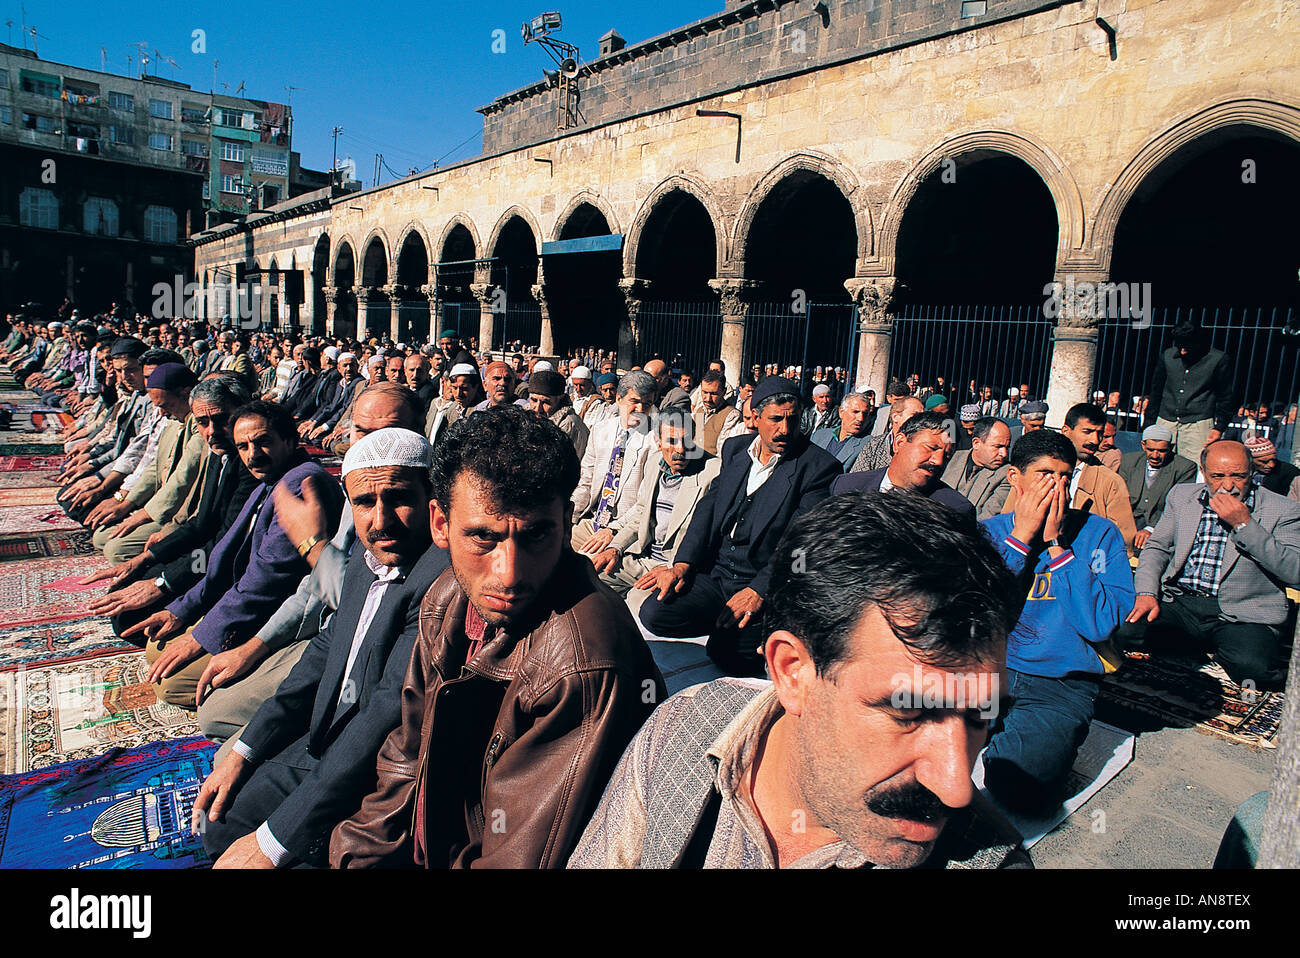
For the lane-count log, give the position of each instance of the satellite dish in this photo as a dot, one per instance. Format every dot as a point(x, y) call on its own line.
point(569, 67)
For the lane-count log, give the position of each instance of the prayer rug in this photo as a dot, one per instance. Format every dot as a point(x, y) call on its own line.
point(45, 589)
point(45, 545)
point(127, 808)
point(28, 497)
point(77, 710)
point(14, 463)
point(56, 641)
point(1185, 692)
point(21, 448)
point(49, 518)
point(43, 479)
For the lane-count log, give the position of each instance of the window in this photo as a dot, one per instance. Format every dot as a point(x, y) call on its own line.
point(99, 217)
point(230, 183)
point(123, 135)
point(270, 195)
point(232, 151)
point(207, 190)
point(121, 101)
point(974, 8)
point(194, 114)
point(4, 79)
point(159, 224)
point(160, 141)
point(229, 117)
point(41, 86)
point(40, 123)
point(6, 115)
point(38, 207)
point(194, 148)
point(270, 164)
point(161, 109)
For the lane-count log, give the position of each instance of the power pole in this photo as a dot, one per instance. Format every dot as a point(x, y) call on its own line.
point(335, 165)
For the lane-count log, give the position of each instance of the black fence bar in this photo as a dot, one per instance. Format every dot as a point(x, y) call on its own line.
point(823, 334)
point(686, 335)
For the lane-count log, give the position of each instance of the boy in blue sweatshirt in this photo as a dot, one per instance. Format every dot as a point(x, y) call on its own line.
point(1078, 587)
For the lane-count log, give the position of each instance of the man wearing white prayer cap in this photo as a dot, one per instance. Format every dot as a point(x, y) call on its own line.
point(311, 747)
point(1149, 474)
point(466, 392)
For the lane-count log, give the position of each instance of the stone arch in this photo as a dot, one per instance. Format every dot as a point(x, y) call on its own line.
point(404, 234)
point(511, 213)
point(1264, 114)
point(589, 198)
point(336, 254)
point(822, 164)
point(377, 234)
point(693, 187)
point(1038, 157)
point(460, 219)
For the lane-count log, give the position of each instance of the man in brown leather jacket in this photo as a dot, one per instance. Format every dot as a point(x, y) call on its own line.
point(528, 677)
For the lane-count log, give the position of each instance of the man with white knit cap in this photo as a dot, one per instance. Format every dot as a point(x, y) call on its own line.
point(311, 748)
point(1149, 474)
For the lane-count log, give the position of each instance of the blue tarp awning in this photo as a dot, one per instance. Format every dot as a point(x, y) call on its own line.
point(587, 244)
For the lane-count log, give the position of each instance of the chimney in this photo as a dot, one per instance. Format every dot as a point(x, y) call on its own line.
point(611, 42)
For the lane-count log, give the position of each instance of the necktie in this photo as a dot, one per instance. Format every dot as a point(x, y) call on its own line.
point(609, 488)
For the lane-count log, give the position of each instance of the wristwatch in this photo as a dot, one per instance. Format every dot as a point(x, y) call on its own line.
point(120, 496)
point(1057, 543)
point(161, 583)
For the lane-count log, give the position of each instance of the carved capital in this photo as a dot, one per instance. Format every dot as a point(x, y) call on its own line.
point(735, 296)
point(331, 294)
point(1078, 301)
point(539, 295)
point(635, 291)
point(483, 292)
point(365, 293)
point(874, 297)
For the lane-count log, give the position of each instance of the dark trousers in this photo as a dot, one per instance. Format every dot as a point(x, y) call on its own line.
point(268, 787)
point(1035, 742)
point(695, 611)
point(1247, 651)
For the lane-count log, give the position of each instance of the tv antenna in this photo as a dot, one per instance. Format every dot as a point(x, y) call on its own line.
point(539, 30)
point(143, 47)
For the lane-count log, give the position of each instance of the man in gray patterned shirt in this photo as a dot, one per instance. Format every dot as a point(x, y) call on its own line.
point(859, 751)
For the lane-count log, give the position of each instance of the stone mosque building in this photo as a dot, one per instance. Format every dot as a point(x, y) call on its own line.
point(888, 186)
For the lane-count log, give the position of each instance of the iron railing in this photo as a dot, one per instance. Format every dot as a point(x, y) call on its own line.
point(686, 335)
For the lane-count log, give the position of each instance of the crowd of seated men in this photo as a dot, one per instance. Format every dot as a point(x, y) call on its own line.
point(439, 659)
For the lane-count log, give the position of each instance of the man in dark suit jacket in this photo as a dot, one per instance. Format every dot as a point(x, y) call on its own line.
point(311, 747)
point(252, 569)
point(1149, 474)
point(919, 457)
point(720, 577)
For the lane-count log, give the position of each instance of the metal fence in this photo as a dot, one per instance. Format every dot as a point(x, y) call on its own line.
point(462, 317)
point(998, 346)
point(824, 334)
point(521, 324)
point(684, 334)
point(1263, 353)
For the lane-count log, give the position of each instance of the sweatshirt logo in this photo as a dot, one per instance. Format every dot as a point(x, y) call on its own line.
point(1042, 587)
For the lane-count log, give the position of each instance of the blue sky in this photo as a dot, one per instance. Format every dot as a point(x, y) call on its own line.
point(402, 78)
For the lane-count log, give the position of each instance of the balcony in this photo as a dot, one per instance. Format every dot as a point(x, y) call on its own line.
point(196, 164)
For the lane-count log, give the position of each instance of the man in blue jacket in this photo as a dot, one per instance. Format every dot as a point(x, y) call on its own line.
point(1078, 587)
point(252, 569)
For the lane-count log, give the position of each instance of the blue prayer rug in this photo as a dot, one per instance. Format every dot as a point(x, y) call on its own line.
point(127, 808)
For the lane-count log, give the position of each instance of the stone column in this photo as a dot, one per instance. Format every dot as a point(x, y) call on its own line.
point(546, 345)
point(735, 295)
point(486, 294)
point(1074, 344)
point(873, 296)
point(395, 292)
point(363, 295)
point(635, 292)
point(331, 301)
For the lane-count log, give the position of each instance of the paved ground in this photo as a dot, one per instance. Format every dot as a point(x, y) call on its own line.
point(1167, 809)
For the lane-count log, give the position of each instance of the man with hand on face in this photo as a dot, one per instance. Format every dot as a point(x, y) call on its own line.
point(885, 636)
point(720, 576)
point(1149, 474)
point(1215, 569)
point(528, 677)
point(1074, 572)
point(310, 749)
point(253, 568)
point(920, 453)
point(980, 472)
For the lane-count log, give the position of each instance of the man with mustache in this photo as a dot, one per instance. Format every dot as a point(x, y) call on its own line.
point(1216, 567)
point(886, 627)
point(920, 454)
